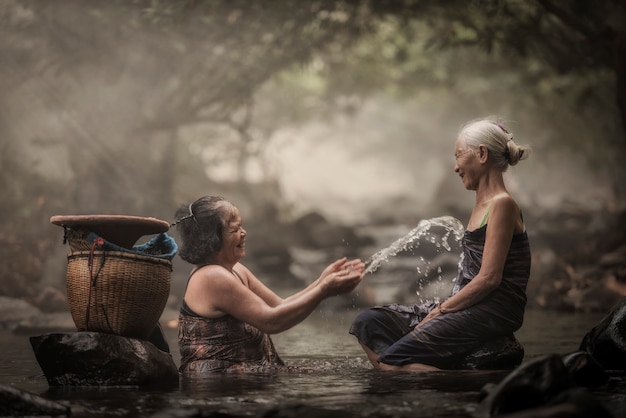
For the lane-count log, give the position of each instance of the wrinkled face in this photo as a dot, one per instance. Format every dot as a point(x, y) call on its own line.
point(233, 238)
point(466, 165)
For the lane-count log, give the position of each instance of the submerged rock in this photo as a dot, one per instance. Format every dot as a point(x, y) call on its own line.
point(606, 342)
point(18, 403)
point(98, 359)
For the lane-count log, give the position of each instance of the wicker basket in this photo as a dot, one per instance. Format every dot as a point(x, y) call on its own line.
point(77, 239)
point(117, 292)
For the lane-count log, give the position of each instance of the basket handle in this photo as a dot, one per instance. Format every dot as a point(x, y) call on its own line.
point(98, 242)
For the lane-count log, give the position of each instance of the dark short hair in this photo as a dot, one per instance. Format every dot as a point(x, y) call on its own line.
point(200, 226)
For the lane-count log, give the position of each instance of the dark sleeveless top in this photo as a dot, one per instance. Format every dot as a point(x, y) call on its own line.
point(508, 300)
point(222, 344)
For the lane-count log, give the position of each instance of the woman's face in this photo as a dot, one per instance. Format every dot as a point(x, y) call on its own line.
point(233, 237)
point(466, 165)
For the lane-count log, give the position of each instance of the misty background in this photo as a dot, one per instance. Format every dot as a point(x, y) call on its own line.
point(319, 120)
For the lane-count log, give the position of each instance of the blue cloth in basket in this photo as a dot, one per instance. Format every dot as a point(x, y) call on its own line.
point(161, 246)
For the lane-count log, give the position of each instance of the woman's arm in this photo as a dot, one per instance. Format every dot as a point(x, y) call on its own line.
point(217, 291)
point(271, 298)
point(257, 286)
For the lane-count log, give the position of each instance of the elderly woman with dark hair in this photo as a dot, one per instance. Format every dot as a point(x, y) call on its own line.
point(227, 313)
point(489, 295)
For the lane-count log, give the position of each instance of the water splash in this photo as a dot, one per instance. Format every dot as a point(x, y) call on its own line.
point(412, 239)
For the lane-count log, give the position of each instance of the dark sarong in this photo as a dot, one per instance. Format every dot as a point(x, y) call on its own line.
point(222, 344)
point(444, 341)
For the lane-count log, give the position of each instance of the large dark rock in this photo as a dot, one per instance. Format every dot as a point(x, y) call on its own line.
point(533, 384)
point(585, 370)
point(18, 403)
point(571, 403)
point(606, 342)
point(98, 359)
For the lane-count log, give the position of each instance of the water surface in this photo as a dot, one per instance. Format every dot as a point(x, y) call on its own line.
point(328, 370)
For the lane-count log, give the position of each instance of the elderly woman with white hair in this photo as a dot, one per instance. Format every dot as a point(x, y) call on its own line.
point(489, 294)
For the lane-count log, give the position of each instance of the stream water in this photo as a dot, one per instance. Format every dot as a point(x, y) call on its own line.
point(330, 372)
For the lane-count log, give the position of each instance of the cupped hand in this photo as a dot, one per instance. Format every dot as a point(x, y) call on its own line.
point(342, 276)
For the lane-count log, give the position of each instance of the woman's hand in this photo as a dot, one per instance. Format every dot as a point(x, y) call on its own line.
point(341, 276)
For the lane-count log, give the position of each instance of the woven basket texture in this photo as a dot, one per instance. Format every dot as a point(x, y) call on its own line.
point(77, 239)
point(126, 296)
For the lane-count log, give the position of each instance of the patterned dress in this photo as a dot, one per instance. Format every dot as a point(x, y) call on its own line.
point(224, 344)
point(444, 341)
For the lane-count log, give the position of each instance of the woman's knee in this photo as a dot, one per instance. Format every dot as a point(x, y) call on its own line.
point(367, 316)
point(359, 322)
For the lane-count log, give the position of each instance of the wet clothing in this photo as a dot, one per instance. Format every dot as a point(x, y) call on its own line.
point(222, 344)
point(444, 341)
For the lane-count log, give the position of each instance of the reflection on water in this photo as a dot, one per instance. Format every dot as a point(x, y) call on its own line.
point(327, 369)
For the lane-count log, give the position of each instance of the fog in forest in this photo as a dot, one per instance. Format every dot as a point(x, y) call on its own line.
point(386, 156)
point(124, 108)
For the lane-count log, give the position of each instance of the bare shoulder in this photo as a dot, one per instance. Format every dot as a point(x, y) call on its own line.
point(207, 287)
point(211, 276)
point(506, 211)
point(504, 202)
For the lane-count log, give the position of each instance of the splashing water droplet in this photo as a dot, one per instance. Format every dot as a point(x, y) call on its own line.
point(411, 240)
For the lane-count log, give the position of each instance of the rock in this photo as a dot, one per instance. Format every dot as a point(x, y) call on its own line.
point(45, 323)
point(18, 403)
point(606, 342)
point(533, 384)
point(13, 311)
point(51, 299)
point(505, 353)
point(585, 370)
point(595, 298)
point(613, 258)
point(98, 359)
point(157, 337)
point(572, 403)
point(582, 403)
point(316, 232)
